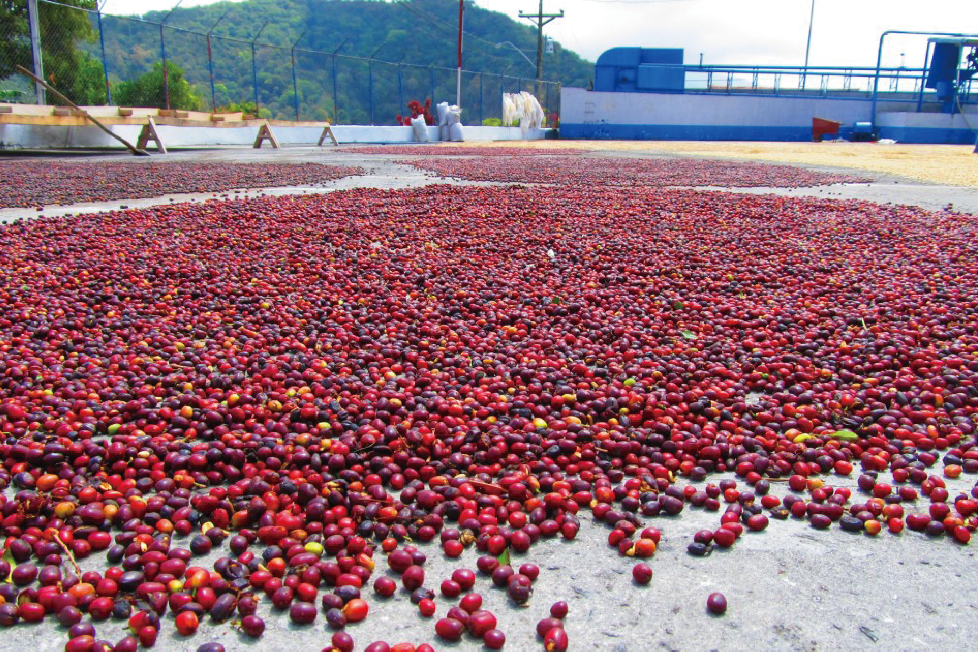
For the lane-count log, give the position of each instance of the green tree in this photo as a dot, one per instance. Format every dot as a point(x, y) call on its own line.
point(418, 33)
point(149, 90)
point(15, 44)
point(66, 28)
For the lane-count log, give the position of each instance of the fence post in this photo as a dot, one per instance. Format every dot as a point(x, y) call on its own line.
point(105, 65)
point(210, 58)
point(370, 88)
point(295, 83)
point(32, 19)
point(558, 104)
point(210, 69)
point(336, 111)
point(400, 88)
point(254, 66)
point(295, 86)
point(254, 76)
point(166, 75)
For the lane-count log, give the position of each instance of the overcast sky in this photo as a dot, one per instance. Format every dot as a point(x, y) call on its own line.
point(771, 32)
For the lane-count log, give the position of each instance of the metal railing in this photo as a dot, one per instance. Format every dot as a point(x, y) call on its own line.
point(97, 58)
point(892, 84)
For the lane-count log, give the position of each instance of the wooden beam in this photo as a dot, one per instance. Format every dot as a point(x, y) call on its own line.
point(137, 152)
point(148, 134)
point(327, 131)
point(265, 133)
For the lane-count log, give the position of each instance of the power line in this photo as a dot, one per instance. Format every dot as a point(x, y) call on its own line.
point(431, 17)
point(450, 30)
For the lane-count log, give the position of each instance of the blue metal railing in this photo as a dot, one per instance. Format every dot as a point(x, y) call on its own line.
point(879, 59)
point(905, 84)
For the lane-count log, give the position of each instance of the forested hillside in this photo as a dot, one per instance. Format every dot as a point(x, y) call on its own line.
point(419, 32)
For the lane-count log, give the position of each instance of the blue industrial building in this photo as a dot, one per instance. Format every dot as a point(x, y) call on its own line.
point(653, 94)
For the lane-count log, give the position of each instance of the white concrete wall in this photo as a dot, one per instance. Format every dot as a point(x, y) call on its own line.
point(967, 120)
point(579, 106)
point(45, 137)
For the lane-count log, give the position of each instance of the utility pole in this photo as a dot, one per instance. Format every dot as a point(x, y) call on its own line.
point(541, 19)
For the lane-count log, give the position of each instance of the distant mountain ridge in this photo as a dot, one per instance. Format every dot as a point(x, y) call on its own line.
point(419, 32)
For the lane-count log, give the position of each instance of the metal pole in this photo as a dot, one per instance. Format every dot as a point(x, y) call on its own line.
point(32, 19)
point(482, 102)
point(295, 86)
point(210, 59)
point(400, 87)
point(210, 69)
point(254, 76)
point(166, 75)
point(558, 103)
point(336, 111)
point(458, 81)
point(923, 77)
point(431, 75)
point(808, 46)
point(166, 71)
point(295, 83)
point(105, 65)
point(370, 78)
point(254, 66)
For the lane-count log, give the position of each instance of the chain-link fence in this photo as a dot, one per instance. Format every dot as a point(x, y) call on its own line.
point(96, 58)
point(15, 49)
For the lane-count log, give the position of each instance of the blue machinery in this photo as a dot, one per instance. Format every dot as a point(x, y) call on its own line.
point(945, 74)
point(661, 70)
point(640, 70)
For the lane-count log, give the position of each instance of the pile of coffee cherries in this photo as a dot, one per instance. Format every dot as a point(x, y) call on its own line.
point(24, 184)
point(630, 172)
point(458, 150)
point(310, 392)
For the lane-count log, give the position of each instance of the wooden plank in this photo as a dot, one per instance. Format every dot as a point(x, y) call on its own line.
point(30, 109)
point(6, 109)
point(63, 111)
point(218, 118)
point(137, 152)
point(124, 112)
